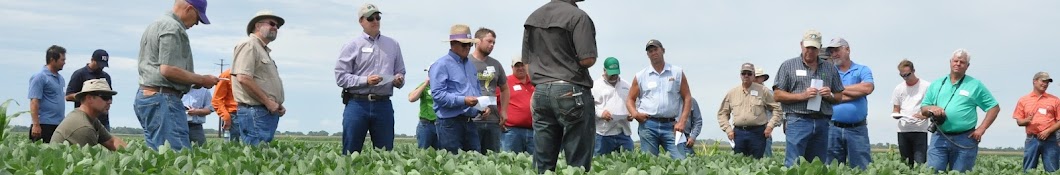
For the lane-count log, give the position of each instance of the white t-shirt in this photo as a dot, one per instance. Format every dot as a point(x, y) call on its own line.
point(908, 99)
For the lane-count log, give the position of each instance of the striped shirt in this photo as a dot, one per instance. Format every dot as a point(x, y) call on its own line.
point(794, 77)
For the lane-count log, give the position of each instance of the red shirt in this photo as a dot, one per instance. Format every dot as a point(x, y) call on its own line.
point(519, 103)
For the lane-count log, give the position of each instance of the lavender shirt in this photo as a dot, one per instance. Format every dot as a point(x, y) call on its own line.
point(363, 57)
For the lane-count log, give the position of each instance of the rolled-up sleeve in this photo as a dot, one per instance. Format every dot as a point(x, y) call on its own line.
point(439, 76)
point(344, 76)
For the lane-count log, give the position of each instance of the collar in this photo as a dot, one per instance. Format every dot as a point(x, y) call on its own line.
point(819, 62)
point(48, 71)
point(89, 69)
point(853, 66)
point(457, 57)
point(666, 68)
point(261, 42)
point(1035, 94)
point(369, 37)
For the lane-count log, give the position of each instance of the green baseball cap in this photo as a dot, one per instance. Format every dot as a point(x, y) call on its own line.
point(611, 66)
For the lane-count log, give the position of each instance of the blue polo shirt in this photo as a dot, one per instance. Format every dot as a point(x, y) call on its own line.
point(48, 87)
point(452, 79)
point(856, 110)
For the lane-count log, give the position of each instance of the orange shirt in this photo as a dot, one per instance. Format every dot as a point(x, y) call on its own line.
point(223, 101)
point(1042, 107)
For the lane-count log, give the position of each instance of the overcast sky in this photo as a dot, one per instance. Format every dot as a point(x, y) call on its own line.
point(1008, 42)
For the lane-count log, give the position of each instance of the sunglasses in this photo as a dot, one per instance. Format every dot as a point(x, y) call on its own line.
point(271, 23)
point(104, 97)
point(905, 75)
point(466, 44)
point(747, 73)
point(373, 18)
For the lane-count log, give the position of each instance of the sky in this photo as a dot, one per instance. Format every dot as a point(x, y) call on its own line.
point(1008, 42)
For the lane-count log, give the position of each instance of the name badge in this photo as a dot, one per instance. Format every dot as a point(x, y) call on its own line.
point(517, 87)
point(963, 93)
point(801, 73)
point(754, 93)
point(1042, 111)
point(367, 49)
point(651, 85)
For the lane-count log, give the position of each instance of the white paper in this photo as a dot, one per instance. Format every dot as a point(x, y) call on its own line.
point(814, 104)
point(679, 137)
point(386, 79)
point(485, 101)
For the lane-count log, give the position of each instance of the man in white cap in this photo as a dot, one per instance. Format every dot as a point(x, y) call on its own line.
point(559, 46)
point(257, 86)
point(456, 92)
point(849, 133)
point(951, 102)
point(368, 69)
point(807, 124)
point(519, 133)
point(167, 71)
point(1037, 112)
point(81, 126)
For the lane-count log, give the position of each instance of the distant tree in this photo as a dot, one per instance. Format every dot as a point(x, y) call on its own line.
point(337, 134)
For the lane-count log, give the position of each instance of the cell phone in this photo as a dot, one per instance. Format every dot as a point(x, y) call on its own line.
point(897, 115)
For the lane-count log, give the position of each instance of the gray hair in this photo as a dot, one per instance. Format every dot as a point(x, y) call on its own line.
point(962, 53)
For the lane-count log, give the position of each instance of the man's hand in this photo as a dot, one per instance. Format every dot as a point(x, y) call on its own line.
point(732, 135)
point(680, 126)
point(809, 93)
point(978, 135)
point(470, 101)
point(208, 81)
point(227, 123)
point(769, 132)
point(606, 115)
point(399, 80)
point(374, 79)
point(640, 117)
point(272, 106)
point(691, 142)
point(1044, 135)
point(35, 131)
point(282, 111)
point(119, 143)
point(486, 113)
point(825, 92)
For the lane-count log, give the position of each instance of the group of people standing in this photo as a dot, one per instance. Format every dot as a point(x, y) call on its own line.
point(548, 104)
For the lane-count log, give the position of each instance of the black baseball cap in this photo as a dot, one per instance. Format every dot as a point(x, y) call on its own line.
point(101, 57)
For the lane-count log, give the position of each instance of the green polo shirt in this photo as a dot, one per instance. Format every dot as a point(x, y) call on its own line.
point(959, 101)
point(427, 104)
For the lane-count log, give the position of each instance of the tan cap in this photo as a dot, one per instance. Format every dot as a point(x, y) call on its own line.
point(747, 67)
point(262, 15)
point(516, 60)
point(461, 33)
point(812, 38)
point(97, 85)
point(1043, 76)
point(760, 72)
point(368, 10)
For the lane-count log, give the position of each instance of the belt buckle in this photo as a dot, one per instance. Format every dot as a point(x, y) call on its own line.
point(371, 97)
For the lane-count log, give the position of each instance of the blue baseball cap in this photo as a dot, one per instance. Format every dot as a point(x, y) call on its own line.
point(200, 5)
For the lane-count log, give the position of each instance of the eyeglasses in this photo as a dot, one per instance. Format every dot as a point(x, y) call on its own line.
point(905, 75)
point(747, 73)
point(271, 23)
point(373, 18)
point(466, 44)
point(104, 97)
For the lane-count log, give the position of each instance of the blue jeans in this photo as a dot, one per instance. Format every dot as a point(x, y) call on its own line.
point(518, 140)
point(563, 121)
point(769, 147)
point(163, 118)
point(685, 149)
point(489, 136)
point(806, 137)
point(257, 124)
point(427, 135)
point(458, 133)
point(1047, 149)
point(233, 130)
point(850, 146)
point(654, 134)
point(362, 117)
point(750, 141)
point(612, 143)
point(957, 155)
point(196, 134)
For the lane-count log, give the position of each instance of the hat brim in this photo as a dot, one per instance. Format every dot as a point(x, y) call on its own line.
point(250, 26)
point(103, 63)
point(763, 75)
point(816, 44)
point(107, 92)
point(370, 13)
point(613, 72)
point(472, 41)
point(202, 18)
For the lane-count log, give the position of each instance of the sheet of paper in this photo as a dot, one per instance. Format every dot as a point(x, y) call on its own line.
point(485, 101)
point(814, 104)
point(679, 138)
point(386, 79)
